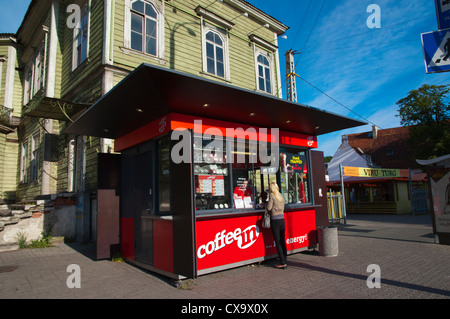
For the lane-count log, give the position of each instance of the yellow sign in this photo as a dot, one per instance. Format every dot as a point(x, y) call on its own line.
point(371, 172)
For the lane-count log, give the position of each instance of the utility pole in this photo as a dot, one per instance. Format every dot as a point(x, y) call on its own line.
point(290, 76)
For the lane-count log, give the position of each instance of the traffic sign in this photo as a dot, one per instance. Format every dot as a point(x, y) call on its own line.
point(443, 13)
point(436, 50)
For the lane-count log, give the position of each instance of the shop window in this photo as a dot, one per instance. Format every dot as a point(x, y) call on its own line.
point(212, 174)
point(230, 175)
point(295, 183)
point(163, 147)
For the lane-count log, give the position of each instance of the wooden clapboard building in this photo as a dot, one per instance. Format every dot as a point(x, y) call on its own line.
point(52, 69)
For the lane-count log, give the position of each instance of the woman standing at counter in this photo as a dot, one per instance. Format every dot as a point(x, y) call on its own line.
point(276, 208)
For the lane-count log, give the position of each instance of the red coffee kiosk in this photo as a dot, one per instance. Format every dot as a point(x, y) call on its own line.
point(184, 195)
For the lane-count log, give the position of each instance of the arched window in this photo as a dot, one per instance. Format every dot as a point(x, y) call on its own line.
point(264, 73)
point(215, 57)
point(144, 27)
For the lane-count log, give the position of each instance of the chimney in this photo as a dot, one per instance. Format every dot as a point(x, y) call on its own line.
point(345, 139)
point(374, 131)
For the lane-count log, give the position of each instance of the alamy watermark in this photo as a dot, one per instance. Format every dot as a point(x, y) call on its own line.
point(74, 18)
point(235, 146)
point(74, 279)
point(374, 19)
point(374, 280)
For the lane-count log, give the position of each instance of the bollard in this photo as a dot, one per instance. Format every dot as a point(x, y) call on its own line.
point(328, 241)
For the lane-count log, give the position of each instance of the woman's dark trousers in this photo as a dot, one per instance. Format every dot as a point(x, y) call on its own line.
point(278, 228)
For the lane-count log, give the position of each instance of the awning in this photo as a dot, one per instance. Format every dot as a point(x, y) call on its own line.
point(150, 92)
point(53, 108)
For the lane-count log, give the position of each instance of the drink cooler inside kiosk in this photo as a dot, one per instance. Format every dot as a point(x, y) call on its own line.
point(169, 204)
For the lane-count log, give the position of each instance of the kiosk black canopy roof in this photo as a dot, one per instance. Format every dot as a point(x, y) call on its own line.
point(150, 92)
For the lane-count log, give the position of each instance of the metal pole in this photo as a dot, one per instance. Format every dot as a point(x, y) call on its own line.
point(413, 208)
point(291, 88)
point(341, 172)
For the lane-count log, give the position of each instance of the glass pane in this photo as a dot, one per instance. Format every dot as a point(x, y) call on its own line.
point(294, 176)
point(220, 69)
point(136, 23)
point(212, 178)
point(260, 58)
point(84, 49)
point(136, 41)
point(210, 66)
point(150, 28)
point(164, 174)
point(268, 84)
point(260, 71)
point(268, 87)
point(244, 178)
point(138, 6)
point(150, 11)
point(84, 20)
point(217, 39)
point(219, 54)
point(210, 36)
point(210, 50)
point(150, 45)
point(261, 84)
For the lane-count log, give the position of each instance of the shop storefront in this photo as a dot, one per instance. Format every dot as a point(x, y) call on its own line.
point(196, 160)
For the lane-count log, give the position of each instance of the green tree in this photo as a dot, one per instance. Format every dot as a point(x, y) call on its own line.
point(427, 113)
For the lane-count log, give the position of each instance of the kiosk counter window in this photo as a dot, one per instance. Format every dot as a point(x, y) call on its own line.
point(294, 176)
point(230, 176)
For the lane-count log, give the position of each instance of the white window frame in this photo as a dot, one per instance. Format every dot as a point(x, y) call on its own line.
point(269, 57)
point(159, 8)
point(2, 59)
point(34, 163)
point(28, 85)
point(34, 79)
point(39, 69)
point(24, 161)
point(224, 36)
point(77, 43)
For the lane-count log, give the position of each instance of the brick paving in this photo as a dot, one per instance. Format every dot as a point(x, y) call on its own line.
point(411, 265)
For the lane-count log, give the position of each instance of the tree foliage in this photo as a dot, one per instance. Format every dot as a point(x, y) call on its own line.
point(427, 113)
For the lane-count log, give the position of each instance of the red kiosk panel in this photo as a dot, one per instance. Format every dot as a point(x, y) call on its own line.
point(230, 240)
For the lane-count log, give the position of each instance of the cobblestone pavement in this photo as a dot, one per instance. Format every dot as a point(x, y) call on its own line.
point(411, 265)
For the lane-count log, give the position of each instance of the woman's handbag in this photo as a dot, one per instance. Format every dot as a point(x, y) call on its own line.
point(266, 219)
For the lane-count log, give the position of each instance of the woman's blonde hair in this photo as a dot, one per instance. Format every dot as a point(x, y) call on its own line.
point(273, 187)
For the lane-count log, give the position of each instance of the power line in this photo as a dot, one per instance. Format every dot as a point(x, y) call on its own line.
point(301, 25)
point(314, 25)
point(333, 99)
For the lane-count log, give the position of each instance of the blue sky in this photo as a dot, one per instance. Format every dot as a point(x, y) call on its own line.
point(366, 70)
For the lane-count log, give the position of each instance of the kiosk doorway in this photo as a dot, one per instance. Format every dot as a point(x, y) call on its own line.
point(144, 209)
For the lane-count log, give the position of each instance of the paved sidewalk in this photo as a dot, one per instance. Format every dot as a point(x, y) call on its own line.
point(411, 266)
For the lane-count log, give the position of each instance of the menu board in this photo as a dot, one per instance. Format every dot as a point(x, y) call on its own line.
point(211, 184)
